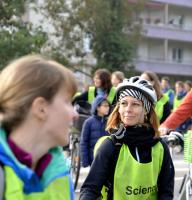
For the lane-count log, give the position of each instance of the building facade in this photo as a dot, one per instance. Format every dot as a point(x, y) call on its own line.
point(166, 44)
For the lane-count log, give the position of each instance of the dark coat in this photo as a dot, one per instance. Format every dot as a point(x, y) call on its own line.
point(84, 97)
point(93, 129)
point(103, 168)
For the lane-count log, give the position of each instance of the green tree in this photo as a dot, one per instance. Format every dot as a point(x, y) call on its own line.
point(107, 23)
point(17, 37)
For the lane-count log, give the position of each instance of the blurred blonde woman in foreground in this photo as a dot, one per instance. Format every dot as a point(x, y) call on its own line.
point(36, 115)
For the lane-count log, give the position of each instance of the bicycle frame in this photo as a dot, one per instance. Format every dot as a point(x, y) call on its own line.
point(74, 147)
point(186, 187)
point(75, 158)
point(189, 184)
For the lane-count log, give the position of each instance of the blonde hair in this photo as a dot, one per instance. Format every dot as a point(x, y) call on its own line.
point(27, 78)
point(119, 75)
point(114, 120)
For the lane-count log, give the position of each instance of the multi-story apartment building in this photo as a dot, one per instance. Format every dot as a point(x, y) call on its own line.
point(166, 45)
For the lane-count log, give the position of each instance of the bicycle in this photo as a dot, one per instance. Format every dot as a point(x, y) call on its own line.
point(186, 186)
point(83, 109)
point(173, 139)
point(75, 158)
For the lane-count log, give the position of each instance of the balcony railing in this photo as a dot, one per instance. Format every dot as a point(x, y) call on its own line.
point(167, 32)
point(164, 67)
point(185, 3)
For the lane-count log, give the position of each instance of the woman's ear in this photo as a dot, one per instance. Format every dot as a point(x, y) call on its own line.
point(39, 108)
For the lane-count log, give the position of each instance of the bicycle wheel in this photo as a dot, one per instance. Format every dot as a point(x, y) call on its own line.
point(75, 163)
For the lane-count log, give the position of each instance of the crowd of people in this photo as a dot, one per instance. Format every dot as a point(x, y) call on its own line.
point(110, 158)
point(120, 141)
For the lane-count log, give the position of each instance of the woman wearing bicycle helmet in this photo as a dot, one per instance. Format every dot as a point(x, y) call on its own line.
point(132, 163)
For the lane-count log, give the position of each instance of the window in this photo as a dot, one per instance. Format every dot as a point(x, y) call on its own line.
point(177, 55)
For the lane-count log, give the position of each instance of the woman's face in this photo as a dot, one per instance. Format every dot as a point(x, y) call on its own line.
point(146, 77)
point(97, 81)
point(187, 87)
point(60, 116)
point(114, 80)
point(131, 111)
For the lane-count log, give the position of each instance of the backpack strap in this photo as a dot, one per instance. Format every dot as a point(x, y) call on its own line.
point(117, 147)
point(2, 182)
point(117, 140)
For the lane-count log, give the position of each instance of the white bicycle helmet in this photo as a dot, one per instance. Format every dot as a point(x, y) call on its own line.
point(140, 84)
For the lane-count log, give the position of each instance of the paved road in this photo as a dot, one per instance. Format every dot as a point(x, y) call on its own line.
point(180, 170)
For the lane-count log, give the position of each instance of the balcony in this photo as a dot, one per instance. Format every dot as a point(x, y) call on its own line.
point(164, 67)
point(184, 3)
point(162, 31)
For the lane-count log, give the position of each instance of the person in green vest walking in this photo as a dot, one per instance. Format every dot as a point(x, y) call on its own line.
point(162, 107)
point(133, 163)
point(188, 85)
point(180, 93)
point(166, 89)
point(36, 115)
point(102, 87)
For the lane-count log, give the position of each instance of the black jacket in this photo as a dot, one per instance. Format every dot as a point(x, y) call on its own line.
point(166, 112)
point(102, 170)
point(84, 97)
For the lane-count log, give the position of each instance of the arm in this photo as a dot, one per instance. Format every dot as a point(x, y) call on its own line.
point(81, 97)
point(91, 188)
point(183, 112)
point(166, 176)
point(84, 143)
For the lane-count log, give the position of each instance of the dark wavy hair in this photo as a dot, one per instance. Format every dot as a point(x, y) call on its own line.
point(105, 77)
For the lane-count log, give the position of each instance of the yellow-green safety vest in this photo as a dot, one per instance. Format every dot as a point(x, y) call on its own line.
point(130, 186)
point(91, 94)
point(176, 102)
point(59, 189)
point(168, 92)
point(77, 94)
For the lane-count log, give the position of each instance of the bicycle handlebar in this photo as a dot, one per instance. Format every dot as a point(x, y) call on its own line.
point(174, 138)
point(83, 107)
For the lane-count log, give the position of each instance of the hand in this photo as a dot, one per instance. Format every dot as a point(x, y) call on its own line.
point(163, 130)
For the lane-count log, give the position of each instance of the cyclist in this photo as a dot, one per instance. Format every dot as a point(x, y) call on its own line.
point(178, 116)
point(180, 93)
point(166, 89)
point(102, 87)
point(36, 115)
point(134, 163)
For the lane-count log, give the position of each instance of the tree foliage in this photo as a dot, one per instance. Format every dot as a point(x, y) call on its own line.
point(17, 37)
point(107, 23)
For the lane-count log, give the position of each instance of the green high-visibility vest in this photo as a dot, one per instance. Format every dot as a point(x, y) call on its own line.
point(128, 184)
point(159, 107)
point(134, 180)
point(176, 102)
point(59, 189)
point(169, 91)
point(91, 94)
